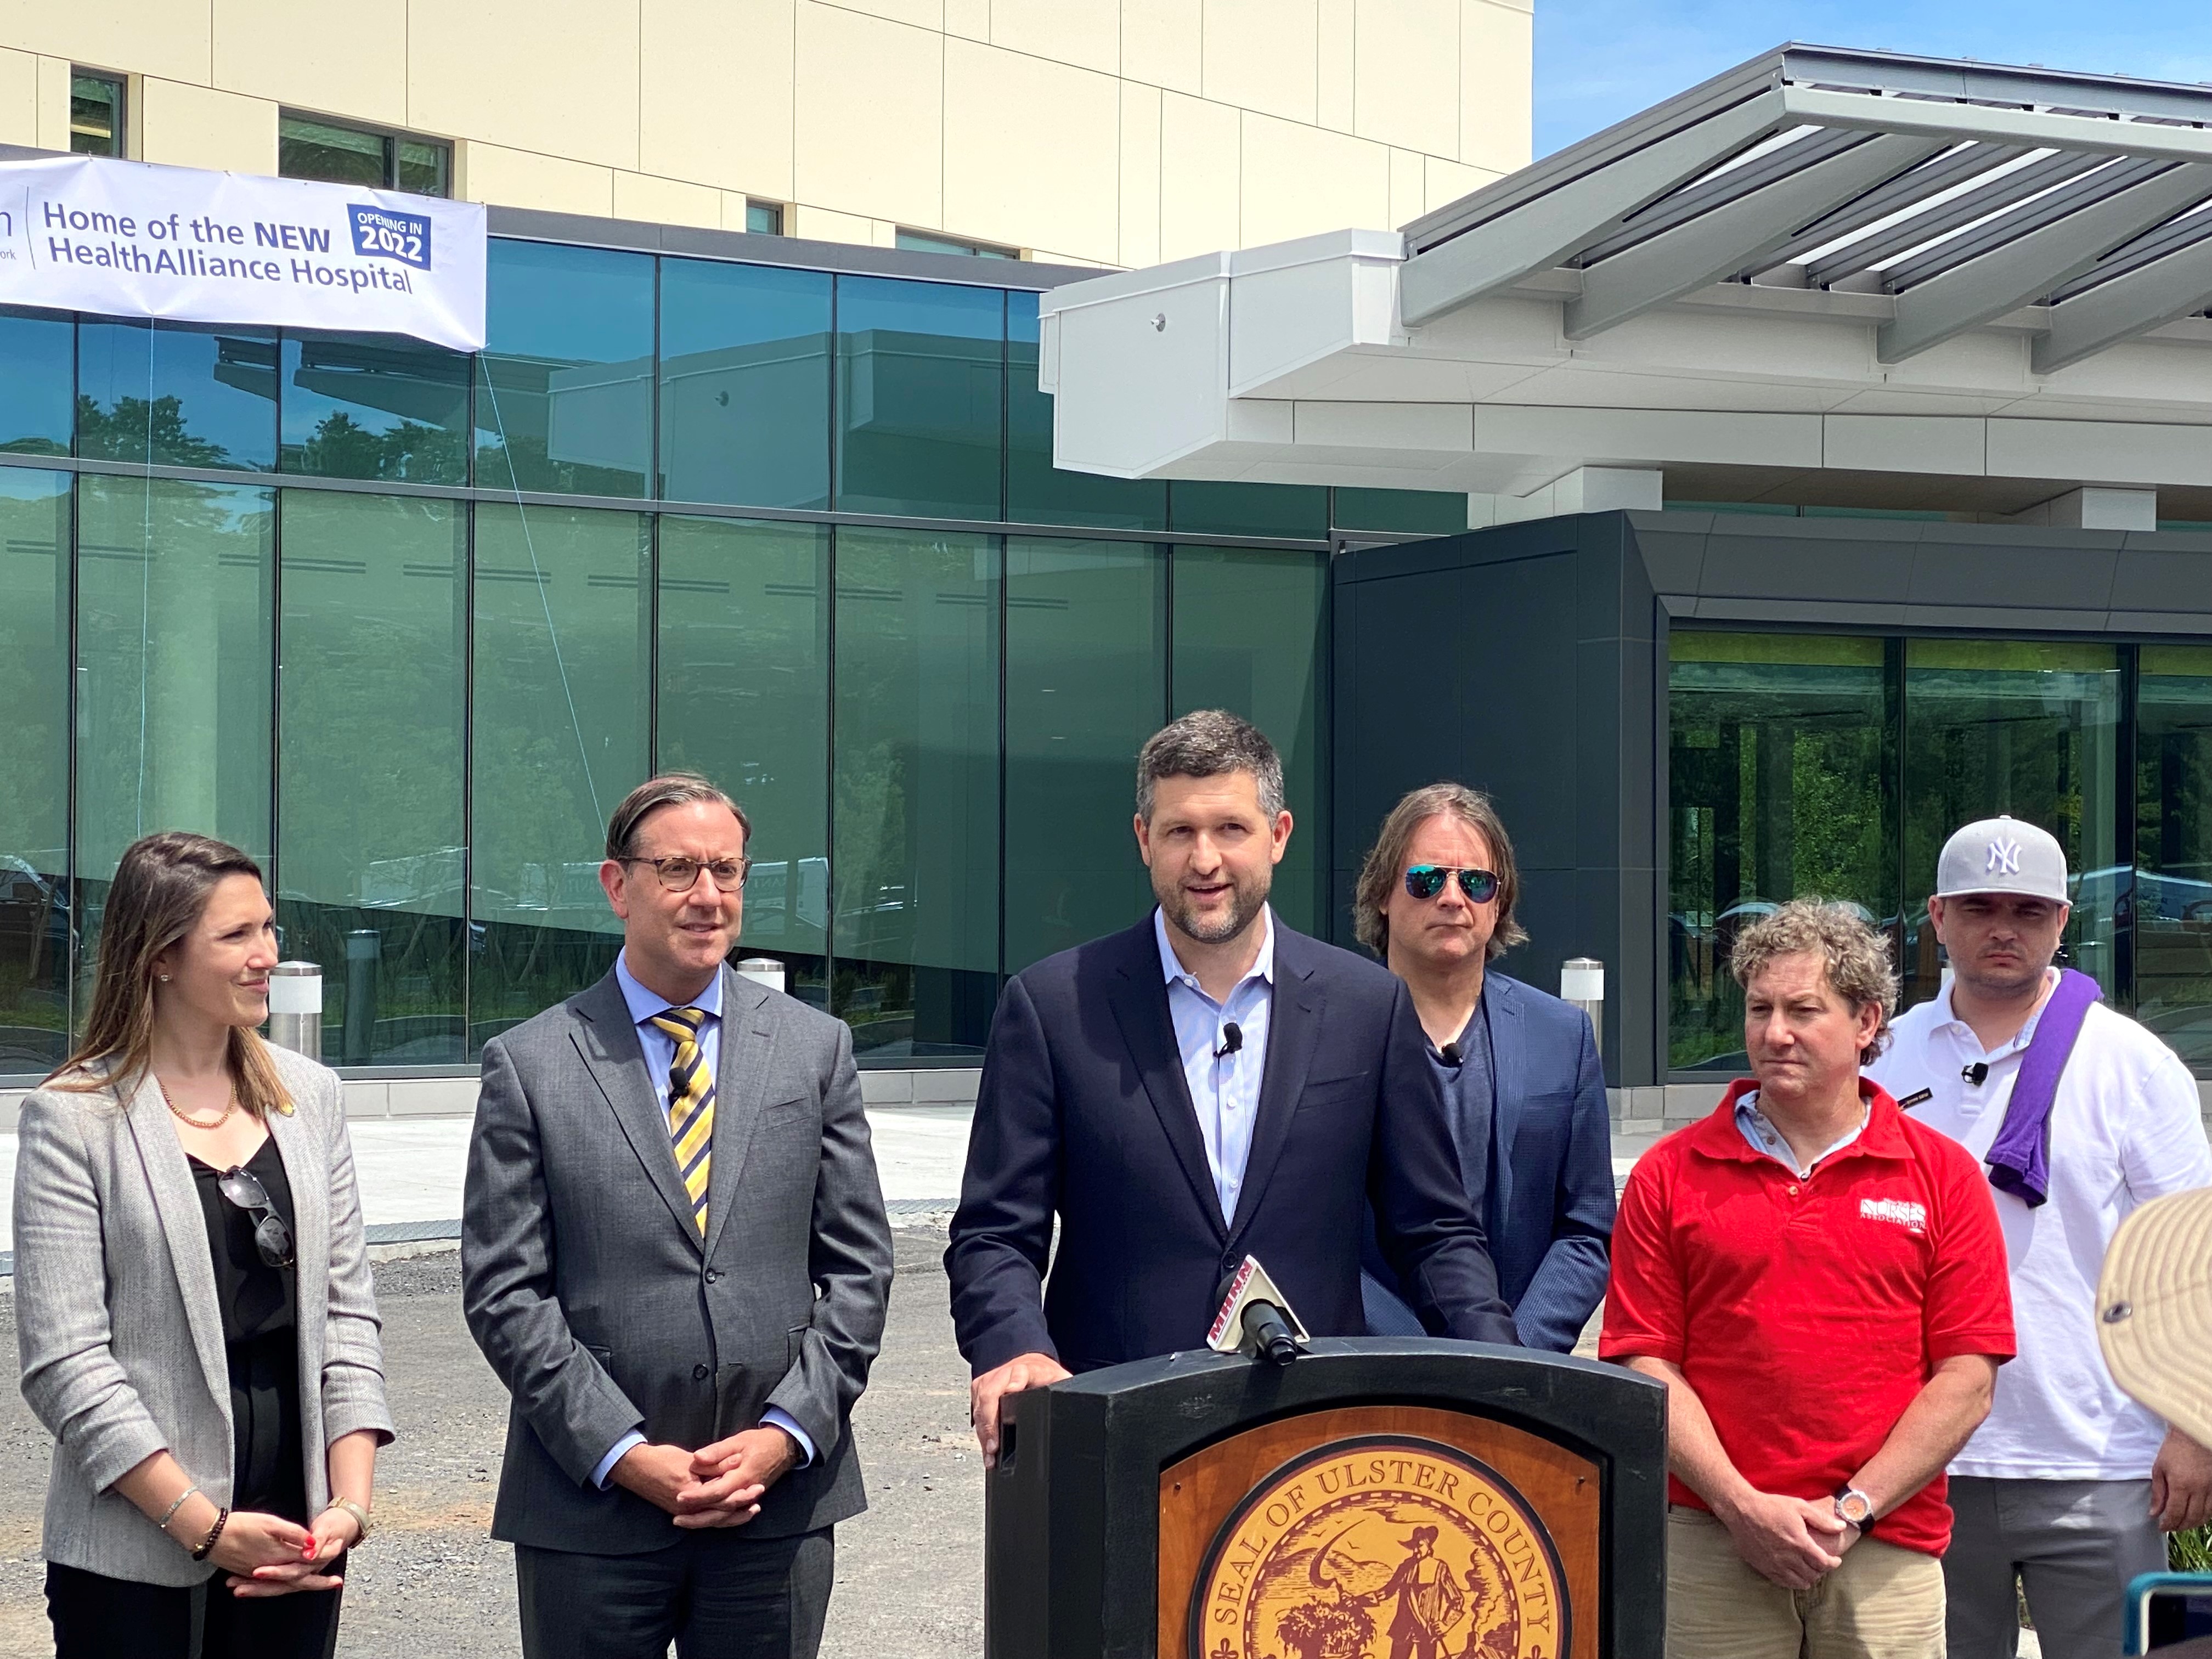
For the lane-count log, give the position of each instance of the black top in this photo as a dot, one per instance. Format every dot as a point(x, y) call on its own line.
point(260, 1334)
point(1470, 1090)
point(257, 1298)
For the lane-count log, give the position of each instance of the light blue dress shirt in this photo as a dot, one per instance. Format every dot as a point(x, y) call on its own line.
point(1224, 1089)
point(660, 1055)
point(1760, 1135)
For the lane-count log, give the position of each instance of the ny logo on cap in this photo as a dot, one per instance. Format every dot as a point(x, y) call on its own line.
point(2004, 858)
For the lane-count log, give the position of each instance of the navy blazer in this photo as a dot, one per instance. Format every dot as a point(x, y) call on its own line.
point(1084, 1112)
point(1549, 1213)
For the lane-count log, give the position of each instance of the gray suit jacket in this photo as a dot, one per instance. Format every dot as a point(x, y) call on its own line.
point(597, 1302)
point(117, 1321)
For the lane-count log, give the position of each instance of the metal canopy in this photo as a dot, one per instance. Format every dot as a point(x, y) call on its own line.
point(1962, 190)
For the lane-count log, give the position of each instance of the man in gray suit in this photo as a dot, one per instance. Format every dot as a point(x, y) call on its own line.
point(674, 1255)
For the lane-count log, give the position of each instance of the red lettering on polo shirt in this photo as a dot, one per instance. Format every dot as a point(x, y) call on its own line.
point(1807, 1311)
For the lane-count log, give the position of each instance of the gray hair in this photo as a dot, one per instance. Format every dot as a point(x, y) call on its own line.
point(1205, 744)
point(667, 789)
point(1855, 956)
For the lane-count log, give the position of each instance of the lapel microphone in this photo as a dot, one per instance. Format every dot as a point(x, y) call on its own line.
point(1976, 1073)
point(1232, 1039)
point(1449, 1053)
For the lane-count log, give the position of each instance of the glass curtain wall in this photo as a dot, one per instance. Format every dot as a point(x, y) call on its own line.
point(916, 790)
point(34, 758)
point(415, 695)
point(372, 881)
point(744, 699)
point(2173, 907)
point(561, 706)
point(1837, 766)
point(1778, 745)
point(2030, 728)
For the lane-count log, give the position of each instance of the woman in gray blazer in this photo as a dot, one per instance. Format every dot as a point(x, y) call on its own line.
point(192, 1294)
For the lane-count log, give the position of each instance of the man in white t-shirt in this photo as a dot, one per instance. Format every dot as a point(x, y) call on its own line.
point(2066, 1487)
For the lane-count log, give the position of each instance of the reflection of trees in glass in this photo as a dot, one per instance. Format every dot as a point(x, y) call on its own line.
point(34, 511)
point(342, 447)
point(134, 430)
point(2173, 848)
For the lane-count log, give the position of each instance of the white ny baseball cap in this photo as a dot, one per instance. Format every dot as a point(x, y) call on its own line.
point(2003, 855)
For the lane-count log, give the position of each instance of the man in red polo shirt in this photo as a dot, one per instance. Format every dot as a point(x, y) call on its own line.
point(1820, 1283)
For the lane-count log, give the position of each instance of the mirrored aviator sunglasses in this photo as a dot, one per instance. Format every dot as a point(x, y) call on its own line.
point(1425, 881)
point(271, 1238)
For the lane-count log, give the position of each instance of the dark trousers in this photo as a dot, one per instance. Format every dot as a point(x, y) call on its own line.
point(101, 1618)
point(715, 1594)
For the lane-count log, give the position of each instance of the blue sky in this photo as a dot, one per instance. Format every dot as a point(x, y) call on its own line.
point(1599, 60)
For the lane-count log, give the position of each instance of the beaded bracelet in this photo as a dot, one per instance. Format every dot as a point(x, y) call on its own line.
point(215, 1532)
point(171, 1514)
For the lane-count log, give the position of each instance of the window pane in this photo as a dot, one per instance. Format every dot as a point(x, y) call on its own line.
point(745, 698)
point(173, 394)
point(375, 406)
point(920, 241)
point(342, 155)
point(564, 627)
point(564, 391)
point(917, 791)
point(36, 375)
point(95, 115)
point(1239, 510)
point(1086, 683)
point(1037, 491)
point(424, 168)
point(1778, 750)
point(1409, 511)
point(1248, 638)
point(373, 619)
point(2173, 850)
point(35, 911)
point(764, 218)
point(2024, 727)
point(175, 584)
point(744, 384)
point(920, 370)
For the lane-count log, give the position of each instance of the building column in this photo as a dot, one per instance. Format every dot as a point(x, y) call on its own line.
point(1585, 489)
point(2095, 506)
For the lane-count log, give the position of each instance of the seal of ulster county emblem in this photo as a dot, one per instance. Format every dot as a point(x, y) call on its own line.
point(1383, 1546)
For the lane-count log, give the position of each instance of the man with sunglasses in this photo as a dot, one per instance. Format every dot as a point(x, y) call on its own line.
point(1206, 1085)
point(1523, 1093)
point(675, 1256)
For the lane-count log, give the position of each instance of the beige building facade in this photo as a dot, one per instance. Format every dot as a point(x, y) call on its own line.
point(1110, 133)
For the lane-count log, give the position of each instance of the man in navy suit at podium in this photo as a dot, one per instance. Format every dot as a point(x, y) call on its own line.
point(1207, 1086)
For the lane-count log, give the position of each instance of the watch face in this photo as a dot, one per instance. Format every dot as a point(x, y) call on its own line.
point(1855, 1507)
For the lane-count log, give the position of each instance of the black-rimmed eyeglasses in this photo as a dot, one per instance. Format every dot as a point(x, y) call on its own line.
point(678, 874)
point(1425, 881)
point(271, 1238)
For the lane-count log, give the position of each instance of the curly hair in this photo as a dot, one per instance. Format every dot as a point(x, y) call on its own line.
point(1386, 863)
point(1855, 955)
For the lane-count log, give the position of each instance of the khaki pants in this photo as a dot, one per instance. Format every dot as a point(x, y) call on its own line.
point(1883, 1602)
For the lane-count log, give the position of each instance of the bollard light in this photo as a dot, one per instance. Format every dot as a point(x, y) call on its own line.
point(296, 1007)
point(1582, 981)
point(762, 970)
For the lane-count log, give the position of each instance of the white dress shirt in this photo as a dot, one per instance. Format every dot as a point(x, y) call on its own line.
point(659, 1056)
point(1224, 1089)
point(2124, 1128)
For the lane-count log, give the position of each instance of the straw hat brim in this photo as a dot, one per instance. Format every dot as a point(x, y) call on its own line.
point(2154, 1310)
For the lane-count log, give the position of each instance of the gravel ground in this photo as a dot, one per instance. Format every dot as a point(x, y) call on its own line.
point(909, 1571)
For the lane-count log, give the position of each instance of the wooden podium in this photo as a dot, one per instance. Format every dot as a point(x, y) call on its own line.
point(1378, 1498)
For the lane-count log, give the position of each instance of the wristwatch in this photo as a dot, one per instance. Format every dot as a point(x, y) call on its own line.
point(1853, 1507)
point(360, 1516)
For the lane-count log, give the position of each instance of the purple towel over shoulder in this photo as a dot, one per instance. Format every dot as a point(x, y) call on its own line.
point(2020, 1157)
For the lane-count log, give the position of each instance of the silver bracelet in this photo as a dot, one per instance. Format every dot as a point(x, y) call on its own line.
point(171, 1514)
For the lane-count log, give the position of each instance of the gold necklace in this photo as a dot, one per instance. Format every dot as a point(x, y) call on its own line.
point(229, 1106)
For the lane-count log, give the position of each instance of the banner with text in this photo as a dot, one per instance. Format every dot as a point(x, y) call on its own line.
point(130, 240)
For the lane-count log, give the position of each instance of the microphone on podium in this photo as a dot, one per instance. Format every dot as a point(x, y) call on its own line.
point(1232, 1039)
point(1255, 1318)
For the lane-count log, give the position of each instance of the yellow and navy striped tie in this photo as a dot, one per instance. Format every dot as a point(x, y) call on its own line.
point(691, 1105)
